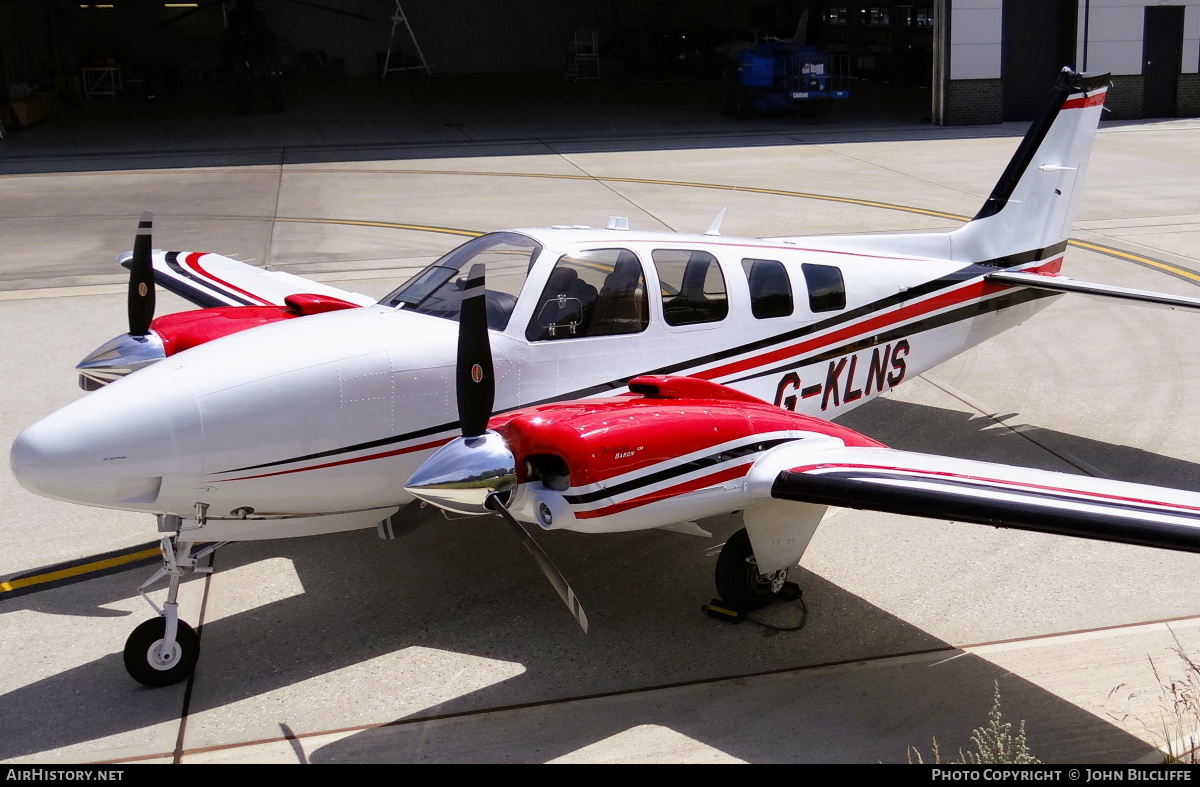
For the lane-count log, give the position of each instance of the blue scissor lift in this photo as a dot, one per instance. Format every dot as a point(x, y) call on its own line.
point(776, 77)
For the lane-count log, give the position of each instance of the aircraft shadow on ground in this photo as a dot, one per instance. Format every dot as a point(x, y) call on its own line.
point(467, 587)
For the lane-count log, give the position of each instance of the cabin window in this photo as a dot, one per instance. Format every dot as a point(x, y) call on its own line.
point(693, 287)
point(826, 290)
point(437, 290)
point(601, 292)
point(770, 288)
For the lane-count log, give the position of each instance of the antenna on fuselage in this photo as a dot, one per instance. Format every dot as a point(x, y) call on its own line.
point(715, 227)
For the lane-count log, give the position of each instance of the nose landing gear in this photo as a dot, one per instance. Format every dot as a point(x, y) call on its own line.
point(163, 650)
point(152, 662)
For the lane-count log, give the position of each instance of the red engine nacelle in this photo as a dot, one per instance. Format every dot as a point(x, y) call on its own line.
point(599, 439)
point(184, 330)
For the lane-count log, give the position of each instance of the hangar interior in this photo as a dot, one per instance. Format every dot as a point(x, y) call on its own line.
point(110, 73)
point(136, 60)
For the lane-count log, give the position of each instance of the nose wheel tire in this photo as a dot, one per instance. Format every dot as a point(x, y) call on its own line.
point(738, 581)
point(150, 664)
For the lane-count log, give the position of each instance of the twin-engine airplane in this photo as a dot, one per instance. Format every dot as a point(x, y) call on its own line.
point(607, 380)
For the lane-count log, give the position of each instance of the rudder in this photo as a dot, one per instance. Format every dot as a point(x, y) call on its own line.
point(1029, 213)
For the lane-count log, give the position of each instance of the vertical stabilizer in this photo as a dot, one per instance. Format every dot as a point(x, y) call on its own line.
point(1028, 215)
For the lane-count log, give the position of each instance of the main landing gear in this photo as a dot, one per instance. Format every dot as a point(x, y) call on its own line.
point(164, 650)
point(742, 588)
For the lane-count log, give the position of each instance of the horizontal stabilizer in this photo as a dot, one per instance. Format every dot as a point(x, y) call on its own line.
point(210, 280)
point(1066, 284)
point(936, 487)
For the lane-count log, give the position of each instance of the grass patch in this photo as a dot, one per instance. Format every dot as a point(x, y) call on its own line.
point(994, 744)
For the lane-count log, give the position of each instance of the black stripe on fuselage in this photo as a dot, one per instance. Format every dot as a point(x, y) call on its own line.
point(453, 425)
point(958, 277)
point(1024, 257)
point(720, 457)
point(972, 309)
point(847, 489)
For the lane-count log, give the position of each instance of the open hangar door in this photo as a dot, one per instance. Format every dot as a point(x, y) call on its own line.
point(1038, 40)
point(128, 51)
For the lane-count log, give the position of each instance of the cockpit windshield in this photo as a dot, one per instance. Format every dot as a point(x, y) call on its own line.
point(437, 290)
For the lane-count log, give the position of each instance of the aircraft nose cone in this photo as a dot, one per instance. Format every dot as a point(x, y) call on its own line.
point(32, 455)
point(112, 448)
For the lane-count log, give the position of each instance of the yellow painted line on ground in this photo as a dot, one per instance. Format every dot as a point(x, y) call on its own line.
point(657, 182)
point(1184, 272)
point(74, 571)
point(391, 225)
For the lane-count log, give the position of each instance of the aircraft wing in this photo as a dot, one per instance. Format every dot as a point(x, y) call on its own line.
point(938, 487)
point(208, 279)
point(1066, 284)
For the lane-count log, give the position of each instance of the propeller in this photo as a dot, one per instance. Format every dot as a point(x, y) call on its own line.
point(474, 473)
point(544, 562)
point(474, 377)
point(140, 347)
point(141, 279)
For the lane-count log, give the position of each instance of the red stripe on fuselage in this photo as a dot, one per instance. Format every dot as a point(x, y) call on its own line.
point(970, 292)
point(193, 261)
point(355, 460)
point(789, 247)
point(720, 476)
point(976, 291)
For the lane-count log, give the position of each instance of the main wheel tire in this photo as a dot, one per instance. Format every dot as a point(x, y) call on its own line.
point(145, 661)
point(738, 580)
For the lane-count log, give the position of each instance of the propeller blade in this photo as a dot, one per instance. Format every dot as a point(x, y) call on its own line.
point(141, 280)
point(547, 565)
point(475, 382)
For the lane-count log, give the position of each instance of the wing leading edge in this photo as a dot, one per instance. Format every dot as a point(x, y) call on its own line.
point(210, 280)
point(900, 482)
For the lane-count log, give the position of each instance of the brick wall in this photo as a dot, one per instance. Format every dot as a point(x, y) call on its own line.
point(1187, 96)
point(971, 102)
point(1124, 99)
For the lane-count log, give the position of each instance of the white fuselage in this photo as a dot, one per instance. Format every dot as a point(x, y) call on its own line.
point(333, 412)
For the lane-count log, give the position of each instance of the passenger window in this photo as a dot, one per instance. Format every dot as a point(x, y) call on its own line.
point(826, 290)
point(693, 287)
point(770, 288)
point(596, 293)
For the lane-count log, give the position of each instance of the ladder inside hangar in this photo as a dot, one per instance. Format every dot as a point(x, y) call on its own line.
point(400, 18)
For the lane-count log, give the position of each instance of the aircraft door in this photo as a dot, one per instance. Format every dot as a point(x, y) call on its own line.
point(589, 326)
point(594, 293)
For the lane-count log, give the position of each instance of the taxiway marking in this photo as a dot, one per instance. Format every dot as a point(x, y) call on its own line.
point(77, 570)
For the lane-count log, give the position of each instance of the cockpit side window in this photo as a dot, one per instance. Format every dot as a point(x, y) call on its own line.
point(693, 286)
point(437, 290)
point(826, 289)
point(770, 288)
point(600, 292)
